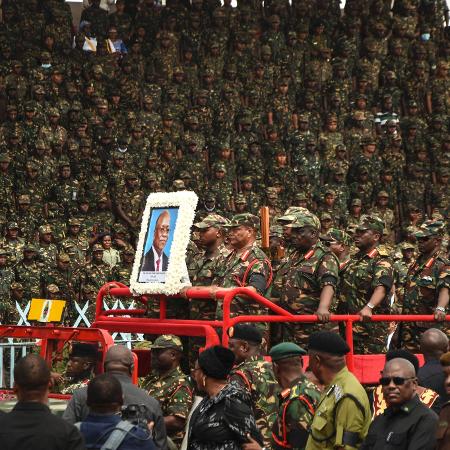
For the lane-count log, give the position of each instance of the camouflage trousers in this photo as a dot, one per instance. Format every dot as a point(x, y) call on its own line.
point(410, 332)
point(369, 337)
point(298, 332)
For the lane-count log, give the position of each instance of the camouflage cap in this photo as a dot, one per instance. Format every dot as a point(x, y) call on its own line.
point(74, 222)
point(406, 246)
point(325, 216)
point(23, 199)
point(30, 247)
point(301, 219)
point(212, 220)
point(4, 251)
point(53, 112)
point(301, 197)
point(4, 157)
point(430, 228)
point(52, 289)
point(45, 229)
point(339, 236)
point(16, 285)
point(64, 257)
point(178, 184)
point(383, 194)
point(12, 226)
point(246, 219)
point(97, 248)
point(128, 250)
point(167, 341)
point(356, 202)
point(219, 167)
point(371, 222)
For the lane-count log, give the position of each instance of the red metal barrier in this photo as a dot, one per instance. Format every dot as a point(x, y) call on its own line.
point(186, 327)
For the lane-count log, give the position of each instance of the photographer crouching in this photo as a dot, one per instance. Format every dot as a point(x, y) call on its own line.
point(104, 428)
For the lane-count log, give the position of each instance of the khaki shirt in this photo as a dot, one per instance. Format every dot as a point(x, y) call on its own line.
point(343, 416)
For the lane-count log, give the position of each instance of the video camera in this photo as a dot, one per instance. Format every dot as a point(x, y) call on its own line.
point(136, 414)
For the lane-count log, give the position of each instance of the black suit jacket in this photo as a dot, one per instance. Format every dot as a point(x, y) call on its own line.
point(149, 261)
point(33, 426)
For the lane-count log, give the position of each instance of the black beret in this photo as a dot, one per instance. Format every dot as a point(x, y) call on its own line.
point(216, 362)
point(83, 350)
point(328, 342)
point(245, 332)
point(404, 354)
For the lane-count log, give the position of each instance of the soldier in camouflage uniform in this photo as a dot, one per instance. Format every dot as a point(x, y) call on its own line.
point(12, 242)
point(122, 271)
point(298, 399)
point(7, 309)
point(170, 386)
point(63, 276)
point(76, 240)
point(97, 272)
point(366, 285)
point(255, 375)
point(79, 370)
point(306, 282)
point(47, 249)
point(28, 272)
point(401, 268)
point(427, 284)
point(245, 266)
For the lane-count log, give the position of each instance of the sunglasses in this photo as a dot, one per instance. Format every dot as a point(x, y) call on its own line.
point(398, 381)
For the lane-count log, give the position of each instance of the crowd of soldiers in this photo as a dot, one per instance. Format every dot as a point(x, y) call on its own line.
point(343, 114)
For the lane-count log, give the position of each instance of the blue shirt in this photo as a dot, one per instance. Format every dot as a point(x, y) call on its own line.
point(97, 428)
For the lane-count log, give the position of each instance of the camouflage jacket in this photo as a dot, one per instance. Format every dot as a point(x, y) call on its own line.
point(363, 274)
point(174, 391)
point(201, 273)
point(423, 281)
point(240, 270)
point(297, 408)
point(256, 375)
point(300, 279)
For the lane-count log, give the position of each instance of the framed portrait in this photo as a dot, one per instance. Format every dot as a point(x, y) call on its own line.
point(160, 261)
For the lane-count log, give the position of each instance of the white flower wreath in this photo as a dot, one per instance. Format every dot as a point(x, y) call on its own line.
point(176, 276)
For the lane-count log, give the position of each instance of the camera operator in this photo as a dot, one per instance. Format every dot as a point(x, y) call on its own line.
point(103, 427)
point(119, 363)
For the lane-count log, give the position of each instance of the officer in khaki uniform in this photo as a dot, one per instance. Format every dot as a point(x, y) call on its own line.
point(342, 417)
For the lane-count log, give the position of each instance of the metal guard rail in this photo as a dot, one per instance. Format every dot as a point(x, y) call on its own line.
point(187, 327)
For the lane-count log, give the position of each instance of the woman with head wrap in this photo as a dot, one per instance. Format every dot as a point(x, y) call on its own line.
point(224, 419)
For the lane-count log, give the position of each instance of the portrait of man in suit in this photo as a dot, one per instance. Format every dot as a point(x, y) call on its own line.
point(155, 260)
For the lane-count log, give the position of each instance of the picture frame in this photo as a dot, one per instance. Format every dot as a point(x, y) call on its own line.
point(160, 260)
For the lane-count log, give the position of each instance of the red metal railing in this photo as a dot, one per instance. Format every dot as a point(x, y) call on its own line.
point(188, 327)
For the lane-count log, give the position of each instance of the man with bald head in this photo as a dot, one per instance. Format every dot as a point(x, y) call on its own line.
point(433, 344)
point(119, 363)
point(155, 260)
point(407, 422)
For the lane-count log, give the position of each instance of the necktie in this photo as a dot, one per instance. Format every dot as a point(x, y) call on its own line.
point(158, 261)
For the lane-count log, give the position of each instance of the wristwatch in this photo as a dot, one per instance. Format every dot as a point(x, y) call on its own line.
point(369, 305)
point(440, 308)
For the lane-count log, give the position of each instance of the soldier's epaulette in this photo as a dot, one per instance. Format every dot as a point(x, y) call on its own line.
point(310, 254)
point(373, 253)
point(245, 255)
point(285, 393)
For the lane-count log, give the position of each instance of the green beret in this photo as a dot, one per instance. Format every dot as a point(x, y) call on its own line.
point(285, 350)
